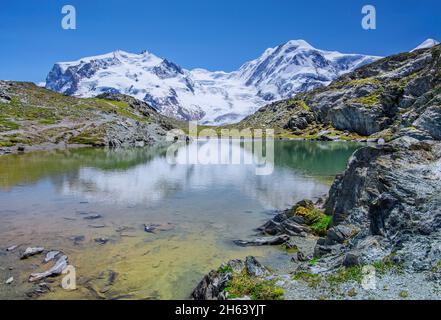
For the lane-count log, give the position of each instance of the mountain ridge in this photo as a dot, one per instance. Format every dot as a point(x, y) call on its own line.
point(213, 97)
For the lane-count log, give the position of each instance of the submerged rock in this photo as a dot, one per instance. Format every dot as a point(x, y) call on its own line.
point(93, 217)
point(29, 252)
point(77, 239)
point(101, 286)
point(101, 241)
point(38, 290)
point(56, 270)
point(154, 227)
point(268, 241)
point(51, 255)
point(12, 248)
point(10, 280)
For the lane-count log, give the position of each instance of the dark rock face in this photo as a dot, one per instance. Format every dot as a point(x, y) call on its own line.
point(388, 202)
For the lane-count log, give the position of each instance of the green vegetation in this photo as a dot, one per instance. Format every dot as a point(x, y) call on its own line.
point(345, 275)
point(372, 99)
point(384, 266)
point(437, 268)
point(313, 280)
point(225, 269)
point(316, 219)
point(352, 293)
point(322, 225)
point(7, 124)
point(93, 137)
point(403, 294)
point(289, 248)
point(354, 83)
point(365, 81)
point(299, 104)
point(257, 289)
point(6, 144)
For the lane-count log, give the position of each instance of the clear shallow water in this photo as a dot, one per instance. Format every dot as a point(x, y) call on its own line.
point(44, 197)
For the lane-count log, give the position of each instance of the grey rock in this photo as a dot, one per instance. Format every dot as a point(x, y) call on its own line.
point(351, 259)
point(391, 194)
point(254, 268)
point(56, 270)
point(31, 252)
point(51, 255)
point(12, 248)
point(430, 121)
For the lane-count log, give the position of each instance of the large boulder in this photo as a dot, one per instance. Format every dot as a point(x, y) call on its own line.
point(388, 202)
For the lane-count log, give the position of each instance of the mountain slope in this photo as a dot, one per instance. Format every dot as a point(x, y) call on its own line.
point(401, 92)
point(35, 118)
point(212, 97)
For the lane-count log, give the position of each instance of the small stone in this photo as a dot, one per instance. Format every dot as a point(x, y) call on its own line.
point(11, 248)
point(97, 226)
point(93, 217)
point(352, 293)
point(101, 241)
point(10, 280)
point(31, 252)
point(351, 259)
point(77, 239)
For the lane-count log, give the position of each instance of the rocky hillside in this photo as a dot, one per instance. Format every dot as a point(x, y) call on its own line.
point(401, 92)
point(33, 118)
point(379, 229)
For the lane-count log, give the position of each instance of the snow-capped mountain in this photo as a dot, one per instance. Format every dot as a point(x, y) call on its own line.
point(211, 97)
point(429, 43)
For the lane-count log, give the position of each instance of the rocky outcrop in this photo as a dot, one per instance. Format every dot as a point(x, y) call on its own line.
point(213, 284)
point(430, 121)
point(387, 95)
point(387, 203)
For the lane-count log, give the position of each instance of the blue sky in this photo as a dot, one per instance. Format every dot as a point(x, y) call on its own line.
point(216, 35)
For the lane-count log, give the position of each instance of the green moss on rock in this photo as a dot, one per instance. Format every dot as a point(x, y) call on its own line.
point(256, 288)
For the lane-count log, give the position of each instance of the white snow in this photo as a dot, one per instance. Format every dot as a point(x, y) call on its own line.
point(211, 97)
point(429, 43)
